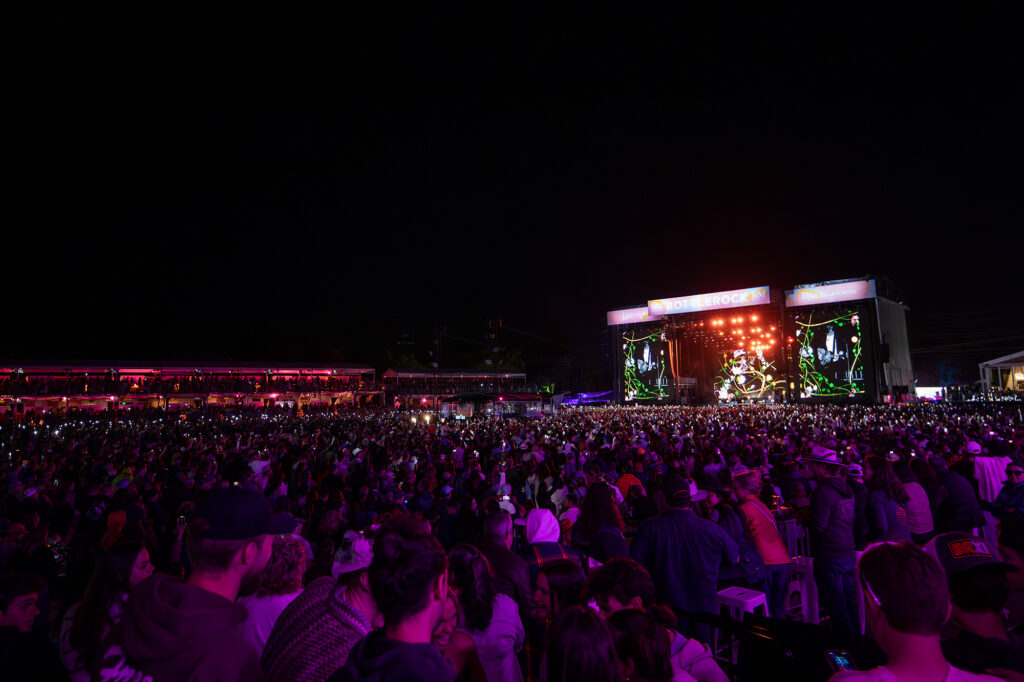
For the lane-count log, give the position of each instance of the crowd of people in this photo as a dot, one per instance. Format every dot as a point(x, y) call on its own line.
point(587, 545)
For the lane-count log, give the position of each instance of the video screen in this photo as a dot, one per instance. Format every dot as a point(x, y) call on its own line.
point(830, 357)
point(747, 374)
point(645, 366)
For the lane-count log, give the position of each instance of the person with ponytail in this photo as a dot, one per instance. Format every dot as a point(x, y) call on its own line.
point(87, 623)
point(490, 618)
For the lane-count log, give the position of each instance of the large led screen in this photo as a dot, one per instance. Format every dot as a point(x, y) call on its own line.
point(747, 374)
point(830, 354)
point(645, 366)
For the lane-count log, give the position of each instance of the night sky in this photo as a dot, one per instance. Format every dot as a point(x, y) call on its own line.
point(337, 197)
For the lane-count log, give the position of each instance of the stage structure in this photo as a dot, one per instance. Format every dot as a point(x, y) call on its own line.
point(722, 346)
point(831, 341)
point(848, 341)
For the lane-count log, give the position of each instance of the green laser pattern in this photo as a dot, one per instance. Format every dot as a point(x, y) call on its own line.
point(812, 381)
point(635, 388)
point(746, 375)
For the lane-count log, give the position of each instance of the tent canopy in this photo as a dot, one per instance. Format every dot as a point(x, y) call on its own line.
point(1005, 362)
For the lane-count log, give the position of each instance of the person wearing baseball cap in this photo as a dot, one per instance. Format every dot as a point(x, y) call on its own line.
point(978, 639)
point(189, 630)
point(833, 513)
point(687, 580)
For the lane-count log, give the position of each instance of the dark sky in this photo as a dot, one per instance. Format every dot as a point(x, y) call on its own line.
point(314, 197)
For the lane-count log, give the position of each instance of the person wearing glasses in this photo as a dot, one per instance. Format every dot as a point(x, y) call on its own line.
point(906, 601)
point(1010, 499)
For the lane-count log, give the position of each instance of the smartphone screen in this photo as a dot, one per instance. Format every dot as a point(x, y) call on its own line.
point(839, 660)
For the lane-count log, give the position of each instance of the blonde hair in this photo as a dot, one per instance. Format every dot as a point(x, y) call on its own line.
point(286, 567)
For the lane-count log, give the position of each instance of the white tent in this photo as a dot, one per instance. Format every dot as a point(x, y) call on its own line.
point(1006, 373)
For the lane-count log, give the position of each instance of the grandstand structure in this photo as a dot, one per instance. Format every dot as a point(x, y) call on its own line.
point(428, 388)
point(39, 388)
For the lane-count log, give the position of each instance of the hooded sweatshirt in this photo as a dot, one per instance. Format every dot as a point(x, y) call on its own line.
point(542, 533)
point(376, 658)
point(174, 631)
point(832, 518)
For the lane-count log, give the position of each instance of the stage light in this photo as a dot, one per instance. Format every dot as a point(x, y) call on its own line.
point(753, 318)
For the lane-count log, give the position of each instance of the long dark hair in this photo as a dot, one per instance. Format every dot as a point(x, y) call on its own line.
point(579, 649)
point(599, 509)
point(639, 637)
point(884, 478)
point(471, 575)
point(566, 583)
point(924, 472)
point(107, 586)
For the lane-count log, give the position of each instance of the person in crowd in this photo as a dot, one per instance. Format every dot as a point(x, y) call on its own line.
point(280, 585)
point(1010, 499)
point(961, 509)
point(88, 623)
point(683, 552)
point(12, 547)
point(560, 584)
point(642, 506)
point(855, 479)
point(599, 531)
point(625, 584)
point(408, 580)
point(937, 493)
point(580, 648)
point(511, 572)
point(800, 502)
point(917, 507)
point(977, 638)
point(761, 528)
point(886, 497)
point(542, 535)
point(490, 618)
point(191, 629)
point(458, 648)
point(641, 646)
point(1011, 550)
point(906, 601)
point(314, 634)
point(832, 543)
point(749, 571)
point(25, 653)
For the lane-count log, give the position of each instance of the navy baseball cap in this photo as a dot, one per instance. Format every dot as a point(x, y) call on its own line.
point(957, 552)
point(241, 514)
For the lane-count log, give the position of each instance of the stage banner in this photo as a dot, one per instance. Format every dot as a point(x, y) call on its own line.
point(737, 298)
point(813, 294)
point(631, 316)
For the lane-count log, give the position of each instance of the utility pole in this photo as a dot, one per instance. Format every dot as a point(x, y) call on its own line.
point(495, 326)
point(438, 335)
